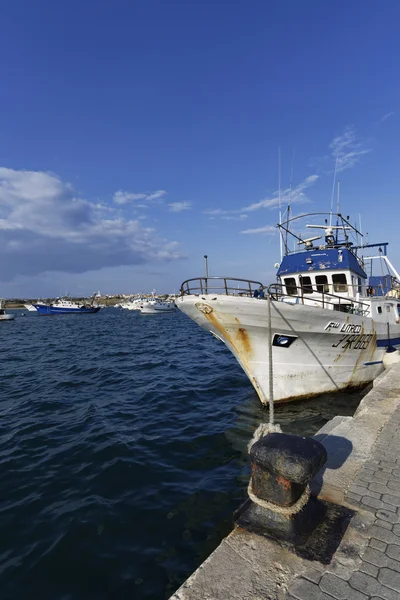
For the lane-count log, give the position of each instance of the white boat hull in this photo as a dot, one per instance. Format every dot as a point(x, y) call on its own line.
point(7, 317)
point(152, 310)
point(314, 350)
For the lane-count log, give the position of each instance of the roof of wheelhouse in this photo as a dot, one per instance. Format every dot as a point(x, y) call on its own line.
point(328, 259)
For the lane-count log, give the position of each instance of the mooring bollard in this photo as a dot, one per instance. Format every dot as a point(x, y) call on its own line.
point(279, 502)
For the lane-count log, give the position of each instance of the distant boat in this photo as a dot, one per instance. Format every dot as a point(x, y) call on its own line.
point(64, 306)
point(134, 304)
point(156, 306)
point(3, 315)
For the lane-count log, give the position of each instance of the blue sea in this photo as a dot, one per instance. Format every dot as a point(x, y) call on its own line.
point(122, 452)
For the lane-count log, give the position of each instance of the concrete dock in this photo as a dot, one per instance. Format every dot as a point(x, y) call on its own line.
point(362, 477)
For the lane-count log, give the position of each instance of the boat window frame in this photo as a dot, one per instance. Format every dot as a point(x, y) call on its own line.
point(291, 288)
point(322, 284)
point(340, 286)
point(306, 288)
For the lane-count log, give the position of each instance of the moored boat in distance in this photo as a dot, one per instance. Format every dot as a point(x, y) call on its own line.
point(156, 305)
point(326, 324)
point(65, 306)
point(4, 316)
point(134, 303)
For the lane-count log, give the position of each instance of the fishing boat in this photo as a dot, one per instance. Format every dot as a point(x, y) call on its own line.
point(65, 306)
point(156, 305)
point(325, 325)
point(134, 303)
point(4, 316)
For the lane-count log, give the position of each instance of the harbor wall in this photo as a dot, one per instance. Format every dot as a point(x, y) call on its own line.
point(246, 565)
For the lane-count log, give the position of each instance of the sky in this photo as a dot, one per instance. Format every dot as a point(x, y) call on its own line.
point(136, 137)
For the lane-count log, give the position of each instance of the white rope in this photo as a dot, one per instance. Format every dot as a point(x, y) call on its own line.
point(286, 511)
point(263, 429)
point(271, 370)
point(266, 428)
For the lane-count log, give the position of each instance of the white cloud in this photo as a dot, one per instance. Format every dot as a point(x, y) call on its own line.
point(347, 149)
point(46, 227)
point(288, 196)
point(260, 230)
point(386, 116)
point(122, 197)
point(217, 212)
point(232, 218)
point(179, 206)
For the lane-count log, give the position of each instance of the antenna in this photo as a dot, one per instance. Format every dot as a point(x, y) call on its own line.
point(291, 171)
point(309, 241)
point(333, 189)
point(338, 197)
point(290, 195)
point(280, 210)
point(309, 226)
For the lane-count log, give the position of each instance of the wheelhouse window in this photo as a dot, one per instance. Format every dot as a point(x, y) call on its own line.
point(339, 282)
point(322, 283)
point(359, 285)
point(306, 285)
point(291, 287)
point(379, 310)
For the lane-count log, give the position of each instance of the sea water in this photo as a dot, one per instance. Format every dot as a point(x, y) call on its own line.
point(123, 452)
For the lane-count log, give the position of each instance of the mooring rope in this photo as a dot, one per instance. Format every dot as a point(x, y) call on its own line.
point(287, 511)
point(265, 428)
point(271, 367)
point(272, 427)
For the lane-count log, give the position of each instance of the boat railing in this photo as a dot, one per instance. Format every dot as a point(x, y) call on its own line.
point(322, 299)
point(231, 286)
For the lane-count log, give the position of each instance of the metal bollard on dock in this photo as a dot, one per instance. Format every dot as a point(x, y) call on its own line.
point(279, 504)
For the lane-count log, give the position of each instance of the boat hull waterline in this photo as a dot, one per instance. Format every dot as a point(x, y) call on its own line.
point(314, 350)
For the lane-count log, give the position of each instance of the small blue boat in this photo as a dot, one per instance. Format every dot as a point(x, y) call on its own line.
point(65, 307)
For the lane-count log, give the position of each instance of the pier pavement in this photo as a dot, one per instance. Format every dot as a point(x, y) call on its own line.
point(362, 475)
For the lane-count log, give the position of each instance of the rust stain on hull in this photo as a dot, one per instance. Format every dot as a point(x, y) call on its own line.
point(240, 341)
point(243, 341)
point(366, 355)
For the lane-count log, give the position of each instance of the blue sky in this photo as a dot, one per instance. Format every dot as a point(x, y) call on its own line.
point(135, 137)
